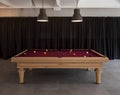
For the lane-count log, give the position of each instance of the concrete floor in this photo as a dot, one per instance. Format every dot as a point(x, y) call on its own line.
point(59, 81)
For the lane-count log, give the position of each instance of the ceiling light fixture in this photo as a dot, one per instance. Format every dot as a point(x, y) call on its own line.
point(77, 16)
point(42, 17)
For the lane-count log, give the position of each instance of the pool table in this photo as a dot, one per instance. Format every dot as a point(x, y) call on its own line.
point(62, 58)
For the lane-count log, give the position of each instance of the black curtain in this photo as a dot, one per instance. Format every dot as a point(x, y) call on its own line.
point(99, 33)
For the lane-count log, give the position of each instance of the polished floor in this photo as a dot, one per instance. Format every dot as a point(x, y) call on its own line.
point(59, 81)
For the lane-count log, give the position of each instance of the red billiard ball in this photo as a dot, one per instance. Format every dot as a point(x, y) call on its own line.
point(74, 54)
point(44, 53)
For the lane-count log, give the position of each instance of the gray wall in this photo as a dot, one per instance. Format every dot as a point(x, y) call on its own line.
point(64, 12)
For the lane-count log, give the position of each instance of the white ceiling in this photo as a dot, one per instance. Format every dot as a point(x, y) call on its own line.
point(60, 4)
point(10, 8)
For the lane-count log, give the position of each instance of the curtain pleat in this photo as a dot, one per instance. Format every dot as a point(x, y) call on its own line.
point(99, 33)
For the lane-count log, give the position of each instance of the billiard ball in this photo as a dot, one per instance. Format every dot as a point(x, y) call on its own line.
point(34, 51)
point(70, 50)
point(74, 54)
point(46, 49)
point(87, 52)
point(44, 53)
point(84, 56)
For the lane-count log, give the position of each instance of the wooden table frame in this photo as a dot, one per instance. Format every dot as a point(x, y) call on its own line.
point(56, 62)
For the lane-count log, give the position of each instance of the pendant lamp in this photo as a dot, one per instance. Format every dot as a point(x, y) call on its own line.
point(77, 16)
point(42, 17)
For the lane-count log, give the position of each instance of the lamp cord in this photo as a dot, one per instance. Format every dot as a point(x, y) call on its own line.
point(42, 3)
point(33, 3)
point(77, 3)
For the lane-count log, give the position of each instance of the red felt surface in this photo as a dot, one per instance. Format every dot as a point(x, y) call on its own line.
point(59, 53)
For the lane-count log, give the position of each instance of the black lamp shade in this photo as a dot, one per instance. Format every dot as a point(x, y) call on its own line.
point(77, 16)
point(42, 17)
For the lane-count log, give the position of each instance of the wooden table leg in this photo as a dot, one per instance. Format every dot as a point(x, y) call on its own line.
point(21, 75)
point(88, 69)
point(98, 75)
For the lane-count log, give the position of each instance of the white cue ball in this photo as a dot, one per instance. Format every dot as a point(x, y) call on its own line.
point(34, 51)
point(87, 52)
point(70, 50)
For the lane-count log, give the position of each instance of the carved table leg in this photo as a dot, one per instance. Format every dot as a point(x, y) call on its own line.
point(21, 75)
point(88, 69)
point(98, 75)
